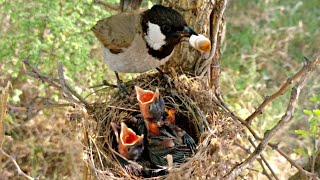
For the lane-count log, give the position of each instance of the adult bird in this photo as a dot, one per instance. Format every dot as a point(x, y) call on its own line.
point(136, 42)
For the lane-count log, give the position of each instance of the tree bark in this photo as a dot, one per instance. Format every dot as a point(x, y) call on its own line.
point(205, 17)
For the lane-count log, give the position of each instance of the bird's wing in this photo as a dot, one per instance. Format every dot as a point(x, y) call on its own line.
point(118, 31)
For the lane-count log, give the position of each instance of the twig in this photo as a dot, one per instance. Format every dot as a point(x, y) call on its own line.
point(269, 99)
point(36, 74)
point(261, 156)
point(264, 171)
point(315, 155)
point(107, 6)
point(4, 96)
point(20, 172)
point(270, 133)
point(256, 136)
point(63, 84)
point(56, 83)
point(275, 147)
point(265, 161)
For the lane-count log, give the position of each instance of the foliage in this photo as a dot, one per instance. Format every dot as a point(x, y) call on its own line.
point(265, 44)
point(313, 132)
point(47, 32)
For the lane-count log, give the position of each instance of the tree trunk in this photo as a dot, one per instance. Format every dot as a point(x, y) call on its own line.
point(205, 17)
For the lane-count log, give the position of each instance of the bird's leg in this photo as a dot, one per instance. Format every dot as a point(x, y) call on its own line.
point(122, 88)
point(166, 77)
point(104, 83)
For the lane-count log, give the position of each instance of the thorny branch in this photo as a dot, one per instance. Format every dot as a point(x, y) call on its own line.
point(283, 88)
point(264, 170)
point(57, 83)
point(248, 151)
point(302, 75)
point(265, 161)
point(20, 172)
point(68, 89)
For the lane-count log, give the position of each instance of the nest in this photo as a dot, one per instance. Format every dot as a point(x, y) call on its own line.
point(196, 113)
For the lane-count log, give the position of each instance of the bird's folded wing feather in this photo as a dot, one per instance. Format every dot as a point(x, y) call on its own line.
point(117, 31)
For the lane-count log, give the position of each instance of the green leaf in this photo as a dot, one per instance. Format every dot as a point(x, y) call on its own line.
point(317, 112)
point(314, 98)
point(308, 112)
point(301, 152)
point(302, 132)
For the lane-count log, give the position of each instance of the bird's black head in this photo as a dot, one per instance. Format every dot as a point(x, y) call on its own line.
point(163, 28)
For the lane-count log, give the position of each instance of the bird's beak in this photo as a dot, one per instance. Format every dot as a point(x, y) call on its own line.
point(128, 137)
point(145, 98)
point(171, 116)
point(187, 32)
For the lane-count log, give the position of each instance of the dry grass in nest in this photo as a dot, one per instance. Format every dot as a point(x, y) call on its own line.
point(213, 131)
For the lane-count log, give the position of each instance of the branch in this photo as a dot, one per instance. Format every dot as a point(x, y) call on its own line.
point(264, 171)
point(271, 133)
point(256, 136)
point(66, 88)
point(107, 6)
point(205, 65)
point(265, 161)
point(316, 154)
point(20, 172)
point(4, 96)
point(261, 156)
point(275, 147)
point(36, 74)
point(57, 83)
point(268, 99)
point(63, 83)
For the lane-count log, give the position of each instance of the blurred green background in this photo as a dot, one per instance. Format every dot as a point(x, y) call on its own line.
point(264, 45)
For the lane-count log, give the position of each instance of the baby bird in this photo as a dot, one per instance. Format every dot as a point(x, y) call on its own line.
point(130, 145)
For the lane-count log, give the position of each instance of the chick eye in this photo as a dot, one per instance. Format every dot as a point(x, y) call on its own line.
point(166, 28)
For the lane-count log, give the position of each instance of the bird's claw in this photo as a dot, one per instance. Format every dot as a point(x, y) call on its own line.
point(167, 79)
point(123, 91)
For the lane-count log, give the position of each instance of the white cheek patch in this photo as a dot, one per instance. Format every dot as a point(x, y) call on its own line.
point(154, 37)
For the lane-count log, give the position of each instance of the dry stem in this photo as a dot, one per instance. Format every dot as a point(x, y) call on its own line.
point(107, 6)
point(269, 99)
point(271, 133)
point(59, 84)
point(20, 172)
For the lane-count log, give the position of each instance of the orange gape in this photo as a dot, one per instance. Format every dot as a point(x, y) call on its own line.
point(145, 98)
point(127, 139)
point(171, 116)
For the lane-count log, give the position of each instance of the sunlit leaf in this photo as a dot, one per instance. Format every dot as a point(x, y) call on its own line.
point(308, 112)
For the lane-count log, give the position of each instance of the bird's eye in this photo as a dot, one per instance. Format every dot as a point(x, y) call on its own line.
point(166, 28)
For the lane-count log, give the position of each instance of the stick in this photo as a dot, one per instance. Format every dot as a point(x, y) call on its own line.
point(255, 135)
point(264, 171)
point(265, 162)
point(20, 172)
point(107, 6)
point(271, 133)
point(57, 83)
point(283, 88)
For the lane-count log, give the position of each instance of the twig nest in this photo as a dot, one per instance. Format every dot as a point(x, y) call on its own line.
point(195, 112)
point(200, 43)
